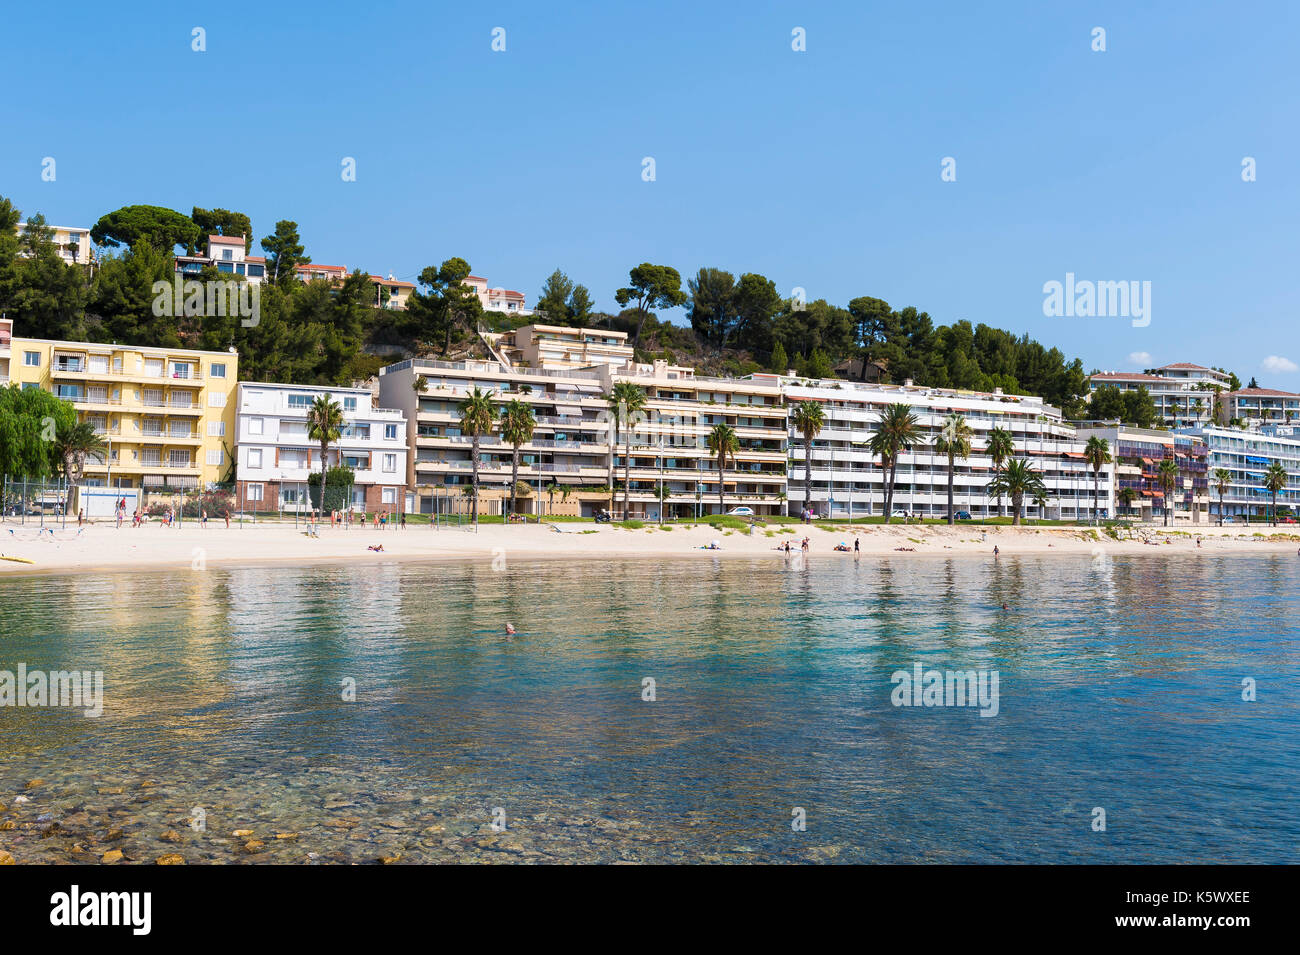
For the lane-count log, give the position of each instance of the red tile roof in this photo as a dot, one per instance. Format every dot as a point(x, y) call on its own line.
point(1186, 365)
point(391, 282)
point(226, 239)
point(1263, 393)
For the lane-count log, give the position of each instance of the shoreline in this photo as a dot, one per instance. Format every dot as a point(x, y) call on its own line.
point(103, 548)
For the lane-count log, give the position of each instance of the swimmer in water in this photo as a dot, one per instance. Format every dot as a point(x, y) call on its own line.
point(510, 628)
point(1005, 607)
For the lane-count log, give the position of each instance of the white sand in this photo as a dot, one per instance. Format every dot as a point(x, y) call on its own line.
point(103, 547)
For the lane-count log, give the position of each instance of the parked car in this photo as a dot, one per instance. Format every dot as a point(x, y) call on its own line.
point(903, 514)
point(1286, 520)
point(741, 512)
point(962, 516)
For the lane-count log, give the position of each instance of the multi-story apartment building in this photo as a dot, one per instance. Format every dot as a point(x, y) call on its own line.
point(1246, 455)
point(498, 299)
point(1138, 454)
point(166, 414)
point(1198, 376)
point(847, 480)
point(1181, 400)
point(389, 292)
point(571, 446)
point(1260, 406)
point(277, 456)
point(226, 254)
point(72, 242)
point(6, 343)
point(556, 346)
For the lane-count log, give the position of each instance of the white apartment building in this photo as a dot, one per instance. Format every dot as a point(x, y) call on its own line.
point(225, 253)
point(73, 243)
point(571, 446)
point(276, 456)
point(1261, 406)
point(847, 480)
point(1181, 400)
point(1246, 455)
point(498, 299)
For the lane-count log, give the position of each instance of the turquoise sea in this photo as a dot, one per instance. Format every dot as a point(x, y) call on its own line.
point(1120, 688)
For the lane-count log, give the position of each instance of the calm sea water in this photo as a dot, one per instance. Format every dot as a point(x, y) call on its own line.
point(1120, 688)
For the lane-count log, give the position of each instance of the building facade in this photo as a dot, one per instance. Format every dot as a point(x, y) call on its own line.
point(1246, 455)
point(847, 480)
point(1138, 454)
point(226, 253)
point(1181, 401)
point(72, 242)
point(1256, 407)
point(277, 456)
point(498, 299)
point(166, 414)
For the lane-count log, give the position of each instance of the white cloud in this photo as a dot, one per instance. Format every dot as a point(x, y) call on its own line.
point(1279, 365)
point(1141, 359)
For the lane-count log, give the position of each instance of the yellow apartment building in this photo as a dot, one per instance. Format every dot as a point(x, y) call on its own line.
point(166, 414)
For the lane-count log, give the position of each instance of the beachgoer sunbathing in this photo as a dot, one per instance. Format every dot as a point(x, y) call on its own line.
point(377, 548)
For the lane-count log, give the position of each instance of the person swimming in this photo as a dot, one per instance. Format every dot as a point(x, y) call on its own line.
point(510, 628)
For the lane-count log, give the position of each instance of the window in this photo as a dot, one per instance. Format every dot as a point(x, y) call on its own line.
point(300, 401)
point(349, 404)
point(32, 359)
point(153, 367)
point(216, 456)
point(227, 254)
point(180, 369)
point(254, 425)
point(390, 432)
point(255, 458)
point(390, 463)
point(389, 495)
point(217, 369)
point(216, 399)
point(256, 271)
point(216, 429)
point(252, 492)
point(225, 267)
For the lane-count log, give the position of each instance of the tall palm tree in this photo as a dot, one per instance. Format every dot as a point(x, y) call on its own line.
point(1222, 480)
point(897, 431)
point(72, 444)
point(723, 444)
point(477, 416)
point(1275, 479)
point(517, 424)
point(627, 401)
point(1097, 453)
point(1017, 480)
point(1001, 447)
point(953, 440)
point(1167, 475)
point(324, 424)
point(808, 419)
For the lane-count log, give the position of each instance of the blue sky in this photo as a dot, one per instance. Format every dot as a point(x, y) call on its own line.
point(819, 169)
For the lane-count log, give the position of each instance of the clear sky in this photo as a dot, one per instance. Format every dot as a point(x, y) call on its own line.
point(820, 169)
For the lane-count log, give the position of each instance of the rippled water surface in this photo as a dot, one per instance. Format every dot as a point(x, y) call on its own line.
point(1120, 688)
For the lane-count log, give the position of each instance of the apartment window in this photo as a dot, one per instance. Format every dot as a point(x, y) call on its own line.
point(227, 254)
point(256, 271)
point(390, 432)
point(180, 370)
point(217, 369)
point(390, 463)
point(30, 386)
point(216, 399)
point(32, 359)
point(349, 404)
point(216, 429)
point(216, 456)
point(252, 492)
point(300, 401)
point(389, 495)
point(97, 364)
point(254, 425)
point(254, 457)
point(153, 367)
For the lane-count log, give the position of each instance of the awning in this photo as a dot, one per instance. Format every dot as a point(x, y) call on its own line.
point(575, 410)
point(1072, 454)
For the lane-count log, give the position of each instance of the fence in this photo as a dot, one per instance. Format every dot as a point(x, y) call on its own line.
point(43, 503)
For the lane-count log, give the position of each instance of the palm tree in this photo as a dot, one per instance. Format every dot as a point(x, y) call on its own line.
point(1127, 496)
point(1001, 447)
point(72, 443)
point(1275, 479)
point(723, 444)
point(1222, 480)
point(954, 441)
point(324, 424)
point(808, 419)
point(517, 423)
point(898, 430)
point(1016, 480)
point(1097, 453)
point(477, 416)
point(1167, 475)
point(627, 402)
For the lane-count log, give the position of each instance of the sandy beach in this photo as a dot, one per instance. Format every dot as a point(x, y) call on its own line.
point(103, 547)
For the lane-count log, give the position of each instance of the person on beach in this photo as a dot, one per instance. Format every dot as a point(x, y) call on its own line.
point(857, 545)
point(227, 518)
point(377, 548)
point(403, 520)
point(203, 518)
point(995, 550)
